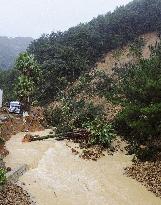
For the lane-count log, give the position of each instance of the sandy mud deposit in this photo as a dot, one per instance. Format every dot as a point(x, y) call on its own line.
point(58, 177)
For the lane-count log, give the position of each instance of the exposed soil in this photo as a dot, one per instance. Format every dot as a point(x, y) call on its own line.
point(13, 124)
point(35, 121)
point(90, 153)
point(148, 173)
point(147, 169)
point(3, 151)
point(123, 56)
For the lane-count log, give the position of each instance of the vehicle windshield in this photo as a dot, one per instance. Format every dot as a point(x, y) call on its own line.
point(14, 105)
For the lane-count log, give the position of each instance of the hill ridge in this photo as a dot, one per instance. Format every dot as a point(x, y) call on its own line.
point(10, 47)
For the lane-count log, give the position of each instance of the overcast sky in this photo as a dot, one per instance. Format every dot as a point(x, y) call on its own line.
point(34, 17)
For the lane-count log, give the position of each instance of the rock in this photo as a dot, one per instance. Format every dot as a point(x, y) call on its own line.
point(8, 169)
point(3, 118)
point(27, 138)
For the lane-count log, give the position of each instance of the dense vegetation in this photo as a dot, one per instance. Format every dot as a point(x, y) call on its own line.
point(10, 48)
point(76, 108)
point(65, 56)
point(69, 56)
point(7, 81)
point(137, 88)
point(140, 89)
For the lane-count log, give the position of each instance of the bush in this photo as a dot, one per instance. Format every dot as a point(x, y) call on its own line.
point(102, 132)
point(71, 114)
point(141, 122)
point(2, 176)
point(145, 153)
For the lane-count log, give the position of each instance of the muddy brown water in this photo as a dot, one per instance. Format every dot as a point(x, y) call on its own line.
point(57, 177)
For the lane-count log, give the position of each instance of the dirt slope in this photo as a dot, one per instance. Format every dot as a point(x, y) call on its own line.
point(123, 56)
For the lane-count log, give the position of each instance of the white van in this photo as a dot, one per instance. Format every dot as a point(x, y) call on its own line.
point(15, 107)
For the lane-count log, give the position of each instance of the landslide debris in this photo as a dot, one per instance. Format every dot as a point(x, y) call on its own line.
point(11, 124)
point(13, 194)
point(148, 170)
point(148, 173)
point(87, 151)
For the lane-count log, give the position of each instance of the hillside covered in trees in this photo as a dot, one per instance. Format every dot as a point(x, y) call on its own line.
point(99, 85)
point(10, 48)
point(64, 56)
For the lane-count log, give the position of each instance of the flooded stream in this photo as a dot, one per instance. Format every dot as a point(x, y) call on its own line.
point(57, 177)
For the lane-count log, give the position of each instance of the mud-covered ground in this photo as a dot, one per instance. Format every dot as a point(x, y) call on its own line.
point(11, 124)
point(59, 176)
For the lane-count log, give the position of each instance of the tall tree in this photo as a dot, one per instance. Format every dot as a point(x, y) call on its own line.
point(29, 78)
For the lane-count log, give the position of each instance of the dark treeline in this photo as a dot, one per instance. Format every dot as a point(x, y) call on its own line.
point(64, 56)
point(7, 81)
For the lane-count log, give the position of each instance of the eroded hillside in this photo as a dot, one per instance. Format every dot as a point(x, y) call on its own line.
point(94, 86)
point(125, 55)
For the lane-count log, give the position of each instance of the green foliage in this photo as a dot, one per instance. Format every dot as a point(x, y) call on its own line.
point(2, 142)
point(2, 176)
point(76, 109)
point(65, 56)
point(7, 81)
point(24, 87)
point(28, 66)
point(102, 132)
point(72, 114)
point(29, 76)
point(140, 85)
point(103, 85)
point(140, 122)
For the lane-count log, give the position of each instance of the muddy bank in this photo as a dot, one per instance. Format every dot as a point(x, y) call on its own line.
point(13, 194)
point(57, 176)
point(147, 173)
point(10, 124)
